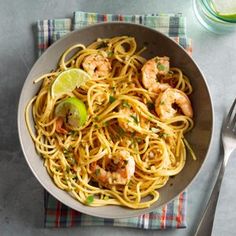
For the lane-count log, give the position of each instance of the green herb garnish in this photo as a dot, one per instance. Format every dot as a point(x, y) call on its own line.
point(68, 150)
point(106, 123)
point(67, 168)
point(65, 151)
point(111, 99)
point(90, 199)
point(71, 159)
point(161, 67)
point(110, 54)
point(126, 104)
point(135, 118)
point(163, 135)
point(73, 132)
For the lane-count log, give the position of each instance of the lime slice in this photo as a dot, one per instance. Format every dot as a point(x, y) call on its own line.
point(73, 112)
point(68, 80)
point(225, 9)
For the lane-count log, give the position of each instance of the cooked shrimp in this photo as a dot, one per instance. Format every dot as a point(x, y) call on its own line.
point(120, 170)
point(153, 68)
point(97, 65)
point(165, 102)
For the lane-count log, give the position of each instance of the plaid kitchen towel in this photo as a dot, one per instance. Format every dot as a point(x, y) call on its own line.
point(171, 215)
point(173, 25)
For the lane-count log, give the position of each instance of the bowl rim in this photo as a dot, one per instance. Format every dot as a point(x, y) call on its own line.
point(20, 113)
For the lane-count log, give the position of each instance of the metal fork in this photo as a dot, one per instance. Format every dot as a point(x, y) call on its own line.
point(229, 143)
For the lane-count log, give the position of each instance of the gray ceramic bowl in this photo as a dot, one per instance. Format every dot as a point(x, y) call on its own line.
point(158, 44)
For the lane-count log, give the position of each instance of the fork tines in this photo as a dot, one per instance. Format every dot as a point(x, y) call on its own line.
point(230, 120)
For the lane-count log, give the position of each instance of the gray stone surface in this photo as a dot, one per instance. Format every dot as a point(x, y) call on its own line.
point(21, 196)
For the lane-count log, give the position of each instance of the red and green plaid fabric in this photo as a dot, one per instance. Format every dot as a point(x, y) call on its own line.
point(171, 215)
point(173, 25)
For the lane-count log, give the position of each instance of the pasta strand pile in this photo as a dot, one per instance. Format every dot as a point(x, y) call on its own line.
point(124, 152)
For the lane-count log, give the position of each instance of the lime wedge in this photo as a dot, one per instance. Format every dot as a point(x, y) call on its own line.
point(68, 80)
point(225, 9)
point(73, 112)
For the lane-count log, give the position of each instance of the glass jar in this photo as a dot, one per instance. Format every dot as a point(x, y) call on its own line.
point(211, 20)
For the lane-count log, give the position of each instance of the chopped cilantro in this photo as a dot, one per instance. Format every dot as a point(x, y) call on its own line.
point(73, 132)
point(90, 199)
point(161, 67)
point(111, 99)
point(133, 140)
point(106, 123)
point(135, 118)
point(151, 117)
point(75, 178)
point(71, 159)
point(96, 126)
point(65, 151)
point(163, 135)
point(110, 54)
point(126, 104)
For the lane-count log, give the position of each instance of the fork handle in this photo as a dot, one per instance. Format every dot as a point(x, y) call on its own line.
point(206, 223)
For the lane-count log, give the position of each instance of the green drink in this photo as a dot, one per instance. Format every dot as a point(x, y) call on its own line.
point(218, 16)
